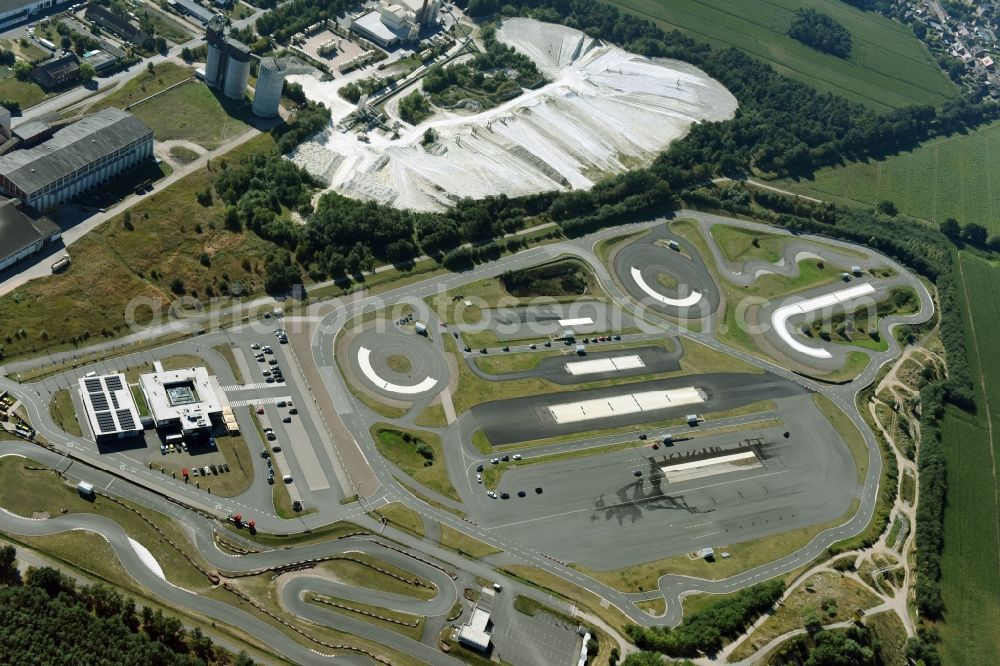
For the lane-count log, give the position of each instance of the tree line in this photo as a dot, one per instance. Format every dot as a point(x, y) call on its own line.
point(49, 619)
point(705, 630)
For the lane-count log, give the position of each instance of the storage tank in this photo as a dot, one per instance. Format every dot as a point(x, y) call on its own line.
point(270, 80)
point(215, 63)
point(237, 69)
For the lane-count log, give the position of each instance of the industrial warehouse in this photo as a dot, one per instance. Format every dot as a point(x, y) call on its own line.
point(77, 158)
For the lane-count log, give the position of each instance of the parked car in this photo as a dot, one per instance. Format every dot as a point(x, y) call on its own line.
point(479, 468)
point(280, 403)
point(286, 419)
point(479, 478)
point(517, 456)
point(255, 345)
point(521, 493)
point(504, 495)
point(505, 458)
point(293, 411)
point(492, 494)
point(495, 461)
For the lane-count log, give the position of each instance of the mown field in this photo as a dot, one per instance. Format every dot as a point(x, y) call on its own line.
point(888, 66)
point(970, 562)
point(947, 177)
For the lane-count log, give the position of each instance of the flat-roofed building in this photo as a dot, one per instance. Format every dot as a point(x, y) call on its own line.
point(109, 406)
point(189, 398)
point(77, 158)
point(478, 631)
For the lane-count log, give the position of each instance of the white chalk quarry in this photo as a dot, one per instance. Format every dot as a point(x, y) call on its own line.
point(604, 111)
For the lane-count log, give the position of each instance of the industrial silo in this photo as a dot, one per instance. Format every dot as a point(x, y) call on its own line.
point(270, 80)
point(215, 63)
point(237, 69)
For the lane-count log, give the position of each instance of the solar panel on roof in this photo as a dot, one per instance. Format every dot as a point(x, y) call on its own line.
point(125, 420)
point(93, 384)
point(105, 422)
point(100, 401)
point(114, 400)
point(114, 383)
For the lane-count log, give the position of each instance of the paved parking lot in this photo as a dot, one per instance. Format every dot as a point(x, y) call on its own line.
point(539, 640)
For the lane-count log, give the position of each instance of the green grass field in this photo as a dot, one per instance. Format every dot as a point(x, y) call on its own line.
point(947, 177)
point(970, 562)
point(192, 112)
point(888, 66)
point(432, 473)
point(27, 93)
point(145, 84)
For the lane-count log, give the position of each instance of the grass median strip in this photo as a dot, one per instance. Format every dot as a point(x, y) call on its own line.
point(408, 625)
point(402, 517)
point(418, 453)
point(63, 413)
point(462, 543)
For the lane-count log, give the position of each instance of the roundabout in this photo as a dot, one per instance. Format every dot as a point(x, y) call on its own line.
point(663, 272)
point(397, 364)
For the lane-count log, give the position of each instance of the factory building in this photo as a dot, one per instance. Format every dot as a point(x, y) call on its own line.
point(396, 21)
point(15, 11)
point(77, 158)
point(227, 66)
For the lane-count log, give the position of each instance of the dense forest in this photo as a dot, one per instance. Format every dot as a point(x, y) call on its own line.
point(50, 620)
point(820, 32)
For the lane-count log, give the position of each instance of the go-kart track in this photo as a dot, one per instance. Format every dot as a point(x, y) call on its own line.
point(595, 494)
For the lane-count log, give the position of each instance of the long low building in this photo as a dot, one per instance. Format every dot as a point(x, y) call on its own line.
point(77, 158)
point(109, 406)
point(15, 11)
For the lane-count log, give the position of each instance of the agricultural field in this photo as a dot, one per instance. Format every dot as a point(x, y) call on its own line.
point(888, 67)
point(970, 562)
point(946, 177)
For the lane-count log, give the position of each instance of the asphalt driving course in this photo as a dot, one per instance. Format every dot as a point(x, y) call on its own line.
point(640, 265)
point(595, 512)
point(529, 418)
